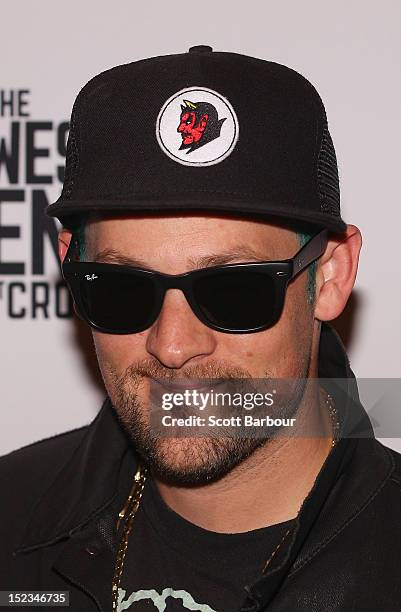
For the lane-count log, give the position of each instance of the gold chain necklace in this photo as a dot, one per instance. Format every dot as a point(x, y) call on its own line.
point(335, 432)
point(335, 423)
point(132, 504)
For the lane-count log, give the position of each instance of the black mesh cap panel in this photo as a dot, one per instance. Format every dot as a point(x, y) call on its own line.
point(72, 157)
point(327, 175)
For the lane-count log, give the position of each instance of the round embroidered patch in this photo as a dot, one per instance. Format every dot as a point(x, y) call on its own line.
point(197, 127)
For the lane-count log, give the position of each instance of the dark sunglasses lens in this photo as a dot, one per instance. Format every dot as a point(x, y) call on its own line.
point(117, 301)
point(237, 299)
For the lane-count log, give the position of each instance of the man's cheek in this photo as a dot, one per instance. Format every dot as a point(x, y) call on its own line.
point(117, 352)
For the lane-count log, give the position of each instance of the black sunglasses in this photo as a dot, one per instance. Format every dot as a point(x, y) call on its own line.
point(233, 298)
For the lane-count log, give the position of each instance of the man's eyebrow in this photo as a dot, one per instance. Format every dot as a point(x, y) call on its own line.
point(115, 257)
point(242, 253)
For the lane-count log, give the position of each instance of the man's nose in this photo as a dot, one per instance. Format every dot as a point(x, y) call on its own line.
point(177, 336)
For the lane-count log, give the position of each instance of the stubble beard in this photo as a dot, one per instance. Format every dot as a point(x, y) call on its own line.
point(185, 461)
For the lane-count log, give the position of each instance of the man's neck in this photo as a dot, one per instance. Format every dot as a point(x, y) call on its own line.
point(267, 488)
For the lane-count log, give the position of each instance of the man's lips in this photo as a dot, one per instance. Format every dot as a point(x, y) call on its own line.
point(182, 385)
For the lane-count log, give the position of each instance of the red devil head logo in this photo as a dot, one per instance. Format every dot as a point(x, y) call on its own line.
point(199, 124)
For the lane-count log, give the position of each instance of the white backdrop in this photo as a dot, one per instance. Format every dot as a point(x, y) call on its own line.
point(350, 50)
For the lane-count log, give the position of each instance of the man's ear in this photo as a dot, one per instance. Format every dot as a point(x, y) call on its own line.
point(64, 237)
point(336, 272)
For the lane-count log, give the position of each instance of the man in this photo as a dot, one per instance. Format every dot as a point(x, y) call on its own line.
point(222, 262)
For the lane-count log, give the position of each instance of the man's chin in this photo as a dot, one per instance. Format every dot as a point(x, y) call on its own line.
point(196, 461)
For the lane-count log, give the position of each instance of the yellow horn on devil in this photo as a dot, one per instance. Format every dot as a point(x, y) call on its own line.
point(189, 104)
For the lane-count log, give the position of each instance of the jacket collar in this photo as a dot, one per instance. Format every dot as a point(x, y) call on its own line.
point(85, 486)
point(89, 480)
point(355, 470)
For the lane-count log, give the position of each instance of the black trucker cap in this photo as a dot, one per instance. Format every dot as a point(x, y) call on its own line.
point(201, 131)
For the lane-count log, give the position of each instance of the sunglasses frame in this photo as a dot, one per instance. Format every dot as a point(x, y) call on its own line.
point(283, 272)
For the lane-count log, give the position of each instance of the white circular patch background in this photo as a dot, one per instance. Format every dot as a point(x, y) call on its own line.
point(212, 152)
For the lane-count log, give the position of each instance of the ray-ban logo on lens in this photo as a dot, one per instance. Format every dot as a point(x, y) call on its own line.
point(90, 277)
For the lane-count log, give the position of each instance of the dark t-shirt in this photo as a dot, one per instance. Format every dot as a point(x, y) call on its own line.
point(174, 565)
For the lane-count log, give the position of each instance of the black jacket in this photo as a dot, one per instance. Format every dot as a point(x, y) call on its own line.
point(60, 496)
